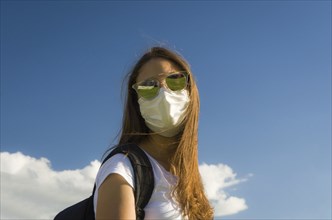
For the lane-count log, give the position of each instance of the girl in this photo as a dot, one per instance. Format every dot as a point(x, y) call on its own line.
point(161, 117)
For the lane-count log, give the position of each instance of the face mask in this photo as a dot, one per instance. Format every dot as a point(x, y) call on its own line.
point(165, 113)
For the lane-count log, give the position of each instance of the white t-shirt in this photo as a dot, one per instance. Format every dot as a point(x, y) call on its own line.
point(161, 204)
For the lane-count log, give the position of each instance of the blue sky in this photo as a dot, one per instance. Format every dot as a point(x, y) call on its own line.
point(263, 69)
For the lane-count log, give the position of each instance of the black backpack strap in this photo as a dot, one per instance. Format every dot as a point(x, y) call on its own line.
point(143, 175)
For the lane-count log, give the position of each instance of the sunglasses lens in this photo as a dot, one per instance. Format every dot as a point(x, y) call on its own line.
point(148, 89)
point(177, 81)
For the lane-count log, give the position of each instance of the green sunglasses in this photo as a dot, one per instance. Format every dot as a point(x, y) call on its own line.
point(149, 88)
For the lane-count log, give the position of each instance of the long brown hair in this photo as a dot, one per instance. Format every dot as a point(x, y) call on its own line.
point(189, 191)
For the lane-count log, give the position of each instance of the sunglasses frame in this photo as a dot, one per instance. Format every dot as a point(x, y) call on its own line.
point(161, 81)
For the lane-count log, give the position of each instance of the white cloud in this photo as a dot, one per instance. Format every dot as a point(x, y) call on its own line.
point(30, 188)
point(216, 178)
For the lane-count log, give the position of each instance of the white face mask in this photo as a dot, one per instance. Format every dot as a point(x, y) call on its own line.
point(165, 113)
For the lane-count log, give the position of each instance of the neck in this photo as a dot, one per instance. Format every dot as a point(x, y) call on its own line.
point(160, 148)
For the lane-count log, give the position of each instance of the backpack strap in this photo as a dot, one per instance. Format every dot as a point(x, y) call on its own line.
point(143, 175)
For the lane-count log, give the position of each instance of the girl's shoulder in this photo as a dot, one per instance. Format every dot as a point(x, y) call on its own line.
point(119, 164)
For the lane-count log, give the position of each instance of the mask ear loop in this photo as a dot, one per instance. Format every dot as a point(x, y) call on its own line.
point(188, 80)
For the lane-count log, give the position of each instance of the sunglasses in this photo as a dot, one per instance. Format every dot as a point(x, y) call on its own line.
point(149, 88)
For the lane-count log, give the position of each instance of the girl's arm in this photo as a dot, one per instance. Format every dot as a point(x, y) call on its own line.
point(115, 199)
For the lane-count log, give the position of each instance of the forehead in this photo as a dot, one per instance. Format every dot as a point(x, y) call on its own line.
point(155, 67)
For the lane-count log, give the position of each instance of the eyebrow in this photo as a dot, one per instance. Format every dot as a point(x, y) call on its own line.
point(170, 72)
point(161, 74)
